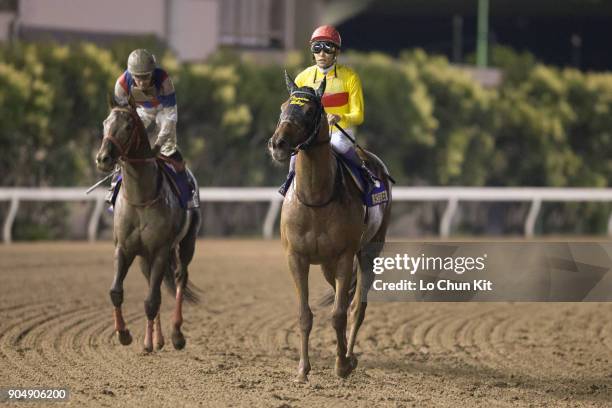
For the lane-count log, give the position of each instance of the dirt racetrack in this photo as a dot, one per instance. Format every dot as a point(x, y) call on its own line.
point(56, 330)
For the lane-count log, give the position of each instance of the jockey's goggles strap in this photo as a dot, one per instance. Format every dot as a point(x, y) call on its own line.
point(142, 77)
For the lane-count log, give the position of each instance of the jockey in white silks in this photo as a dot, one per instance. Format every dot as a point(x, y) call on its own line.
point(155, 98)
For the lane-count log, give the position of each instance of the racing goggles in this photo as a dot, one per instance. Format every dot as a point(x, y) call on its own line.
point(142, 77)
point(327, 47)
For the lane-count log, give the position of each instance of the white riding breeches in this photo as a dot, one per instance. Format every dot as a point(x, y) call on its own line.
point(340, 143)
point(160, 130)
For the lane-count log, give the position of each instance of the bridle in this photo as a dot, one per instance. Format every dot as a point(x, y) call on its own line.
point(135, 140)
point(285, 117)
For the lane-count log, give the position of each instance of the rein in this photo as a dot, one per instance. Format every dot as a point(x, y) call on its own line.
point(150, 202)
point(310, 142)
point(332, 197)
point(135, 140)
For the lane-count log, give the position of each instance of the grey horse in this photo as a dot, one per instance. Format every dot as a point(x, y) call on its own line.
point(148, 222)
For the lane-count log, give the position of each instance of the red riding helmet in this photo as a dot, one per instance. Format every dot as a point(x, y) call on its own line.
point(327, 33)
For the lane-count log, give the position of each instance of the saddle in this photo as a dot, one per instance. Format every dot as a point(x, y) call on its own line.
point(178, 179)
point(379, 194)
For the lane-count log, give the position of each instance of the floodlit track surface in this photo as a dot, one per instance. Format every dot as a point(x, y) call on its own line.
point(56, 330)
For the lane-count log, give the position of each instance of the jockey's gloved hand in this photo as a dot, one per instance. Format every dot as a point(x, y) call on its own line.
point(332, 119)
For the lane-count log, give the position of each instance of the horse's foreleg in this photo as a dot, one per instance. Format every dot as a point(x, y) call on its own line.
point(158, 337)
point(122, 265)
point(153, 300)
point(299, 270)
point(344, 274)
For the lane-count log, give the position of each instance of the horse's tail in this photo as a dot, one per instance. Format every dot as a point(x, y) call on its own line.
point(190, 292)
point(185, 253)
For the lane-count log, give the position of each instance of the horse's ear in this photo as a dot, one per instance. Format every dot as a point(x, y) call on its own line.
point(110, 100)
point(132, 102)
point(291, 86)
point(321, 89)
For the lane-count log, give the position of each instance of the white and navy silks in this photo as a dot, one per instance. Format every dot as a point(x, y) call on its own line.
point(156, 105)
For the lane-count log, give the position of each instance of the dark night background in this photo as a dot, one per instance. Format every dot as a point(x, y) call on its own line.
point(545, 28)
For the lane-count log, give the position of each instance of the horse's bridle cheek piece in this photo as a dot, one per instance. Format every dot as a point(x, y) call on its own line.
point(285, 117)
point(134, 137)
point(134, 140)
point(310, 141)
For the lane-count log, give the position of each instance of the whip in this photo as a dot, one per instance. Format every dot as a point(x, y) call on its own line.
point(92, 188)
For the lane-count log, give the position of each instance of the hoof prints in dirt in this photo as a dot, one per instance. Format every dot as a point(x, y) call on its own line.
point(242, 341)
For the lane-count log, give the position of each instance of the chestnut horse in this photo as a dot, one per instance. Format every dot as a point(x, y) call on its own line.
point(148, 222)
point(323, 222)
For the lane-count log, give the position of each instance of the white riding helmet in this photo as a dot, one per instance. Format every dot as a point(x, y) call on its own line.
point(141, 62)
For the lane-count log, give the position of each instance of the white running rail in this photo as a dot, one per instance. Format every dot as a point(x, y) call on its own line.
point(451, 195)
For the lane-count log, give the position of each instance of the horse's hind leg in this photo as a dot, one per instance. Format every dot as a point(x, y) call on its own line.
point(122, 264)
point(182, 276)
point(185, 255)
point(158, 336)
point(153, 300)
point(358, 305)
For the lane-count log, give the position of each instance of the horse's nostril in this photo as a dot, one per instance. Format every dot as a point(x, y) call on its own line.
point(280, 144)
point(105, 159)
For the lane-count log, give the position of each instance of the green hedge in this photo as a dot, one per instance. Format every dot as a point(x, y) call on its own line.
point(431, 122)
point(428, 120)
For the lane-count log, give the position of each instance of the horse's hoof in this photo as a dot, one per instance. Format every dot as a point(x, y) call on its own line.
point(178, 340)
point(159, 346)
point(345, 366)
point(353, 362)
point(301, 379)
point(125, 337)
point(147, 349)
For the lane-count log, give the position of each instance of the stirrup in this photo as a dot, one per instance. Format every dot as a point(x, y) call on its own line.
point(283, 189)
point(108, 197)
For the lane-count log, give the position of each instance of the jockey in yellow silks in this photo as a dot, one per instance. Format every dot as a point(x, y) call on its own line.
point(342, 100)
